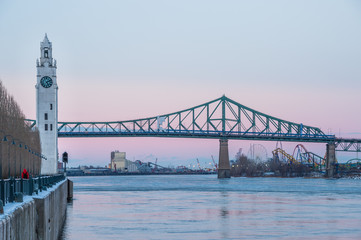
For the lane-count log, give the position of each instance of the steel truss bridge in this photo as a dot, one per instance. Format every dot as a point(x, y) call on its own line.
point(221, 118)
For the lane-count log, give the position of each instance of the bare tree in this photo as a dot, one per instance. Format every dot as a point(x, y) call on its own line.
point(14, 135)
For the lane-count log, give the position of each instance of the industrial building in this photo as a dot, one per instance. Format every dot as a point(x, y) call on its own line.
point(119, 163)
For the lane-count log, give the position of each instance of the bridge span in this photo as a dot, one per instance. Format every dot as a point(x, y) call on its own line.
point(223, 119)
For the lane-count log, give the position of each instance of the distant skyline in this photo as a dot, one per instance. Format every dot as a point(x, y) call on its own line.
point(119, 60)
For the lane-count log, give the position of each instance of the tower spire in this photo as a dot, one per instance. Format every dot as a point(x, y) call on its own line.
point(46, 38)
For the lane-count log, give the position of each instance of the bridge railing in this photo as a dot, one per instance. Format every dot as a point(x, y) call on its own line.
point(9, 188)
point(198, 134)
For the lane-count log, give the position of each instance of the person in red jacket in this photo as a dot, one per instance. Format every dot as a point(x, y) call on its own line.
point(25, 174)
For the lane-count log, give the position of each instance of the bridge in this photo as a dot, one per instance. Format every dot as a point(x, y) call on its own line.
point(223, 119)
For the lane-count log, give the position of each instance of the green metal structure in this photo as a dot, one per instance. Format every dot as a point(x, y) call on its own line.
point(222, 118)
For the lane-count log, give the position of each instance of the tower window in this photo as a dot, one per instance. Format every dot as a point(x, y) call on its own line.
point(46, 116)
point(51, 127)
point(46, 53)
point(51, 106)
point(46, 127)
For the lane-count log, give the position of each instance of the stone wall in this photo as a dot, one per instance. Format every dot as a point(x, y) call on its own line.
point(39, 217)
point(20, 224)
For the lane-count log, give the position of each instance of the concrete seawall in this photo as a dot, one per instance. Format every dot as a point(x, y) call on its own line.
point(39, 217)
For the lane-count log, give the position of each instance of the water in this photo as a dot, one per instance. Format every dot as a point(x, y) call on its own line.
point(204, 207)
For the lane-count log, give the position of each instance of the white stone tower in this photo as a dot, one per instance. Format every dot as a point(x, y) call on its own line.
point(47, 107)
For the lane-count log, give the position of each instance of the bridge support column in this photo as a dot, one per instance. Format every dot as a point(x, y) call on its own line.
point(224, 169)
point(330, 159)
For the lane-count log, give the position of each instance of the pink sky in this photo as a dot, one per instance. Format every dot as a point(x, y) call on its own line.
point(299, 61)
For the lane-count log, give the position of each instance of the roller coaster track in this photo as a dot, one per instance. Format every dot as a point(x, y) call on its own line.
point(354, 161)
point(305, 157)
point(289, 157)
point(317, 160)
point(300, 153)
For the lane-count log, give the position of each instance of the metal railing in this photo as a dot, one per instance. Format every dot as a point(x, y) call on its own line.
point(8, 187)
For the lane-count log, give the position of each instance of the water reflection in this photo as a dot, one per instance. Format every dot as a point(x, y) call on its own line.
point(224, 214)
point(203, 207)
point(224, 204)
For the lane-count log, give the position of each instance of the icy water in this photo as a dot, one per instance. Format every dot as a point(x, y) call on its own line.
point(204, 207)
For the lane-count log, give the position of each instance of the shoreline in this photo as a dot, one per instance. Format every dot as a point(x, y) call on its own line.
point(134, 174)
point(352, 176)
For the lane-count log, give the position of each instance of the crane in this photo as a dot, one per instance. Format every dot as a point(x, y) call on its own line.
point(155, 169)
point(215, 164)
point(199, 164)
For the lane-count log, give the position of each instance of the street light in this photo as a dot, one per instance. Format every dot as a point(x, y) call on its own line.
point(32, 152)
point(14, 143)
point(2, 191)
point(6, 140)
point(21, 146)
point(1, 156)
point(29, 150)
point(26, 163)
point(36, 159)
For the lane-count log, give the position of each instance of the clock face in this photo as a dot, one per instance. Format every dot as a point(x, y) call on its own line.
point(46, 82)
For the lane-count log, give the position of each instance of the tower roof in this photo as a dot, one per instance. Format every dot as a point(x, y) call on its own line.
point(46, 41)
point(46, 38)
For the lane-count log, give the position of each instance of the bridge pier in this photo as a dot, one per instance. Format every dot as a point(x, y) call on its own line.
point(330, 159)
point(224, 169)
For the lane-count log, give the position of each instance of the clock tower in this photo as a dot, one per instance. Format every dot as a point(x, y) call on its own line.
point(47, 107)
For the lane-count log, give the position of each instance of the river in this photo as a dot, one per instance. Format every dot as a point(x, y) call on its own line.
point(204, 207)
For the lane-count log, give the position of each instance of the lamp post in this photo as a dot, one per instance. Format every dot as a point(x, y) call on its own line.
point(65, 161)
point(35, 160)
point(1, 156)
point(14, 143)
point(32, 152)
point(2, 184)
point(29, 151)
point(1, 159)
point(7, 140)
point(21, 146)
point(25, 166)
point(20, 143)
point(26, 162)
point(37, 157)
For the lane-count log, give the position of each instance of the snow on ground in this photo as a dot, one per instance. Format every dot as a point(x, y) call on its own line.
point(9, 208)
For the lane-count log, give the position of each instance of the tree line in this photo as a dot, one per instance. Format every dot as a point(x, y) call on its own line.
point(20, 145)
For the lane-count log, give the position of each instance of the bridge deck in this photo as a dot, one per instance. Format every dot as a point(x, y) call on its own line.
point(220, 118)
